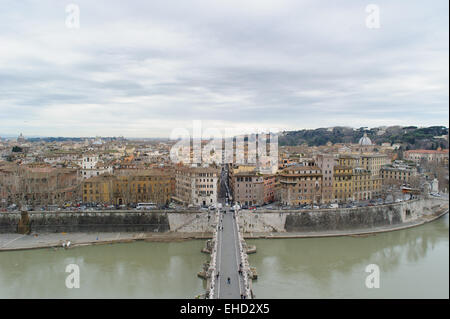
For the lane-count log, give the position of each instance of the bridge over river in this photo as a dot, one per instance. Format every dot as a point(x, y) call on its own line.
point(229, 274)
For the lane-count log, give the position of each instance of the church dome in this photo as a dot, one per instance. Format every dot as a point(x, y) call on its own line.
point(365, 140)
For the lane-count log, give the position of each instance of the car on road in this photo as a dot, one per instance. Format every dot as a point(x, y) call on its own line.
point(435, 194)
point(12, 207)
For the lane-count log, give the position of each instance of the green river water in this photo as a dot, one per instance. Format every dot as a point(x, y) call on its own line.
point(413, 263)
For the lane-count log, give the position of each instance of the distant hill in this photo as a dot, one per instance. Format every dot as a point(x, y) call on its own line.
point(411, 137)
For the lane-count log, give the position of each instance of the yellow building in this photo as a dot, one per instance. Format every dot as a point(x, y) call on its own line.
point(143, 186)
point(349, 160)
point(374, 162)
point(98, 189)
point(363, 184)
point(130, 187)
point(342, 183)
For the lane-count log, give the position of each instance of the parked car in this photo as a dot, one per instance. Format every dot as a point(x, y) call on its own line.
point(12, 207)
point(435, 194)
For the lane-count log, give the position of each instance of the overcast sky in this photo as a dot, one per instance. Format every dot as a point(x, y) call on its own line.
point(141, 68)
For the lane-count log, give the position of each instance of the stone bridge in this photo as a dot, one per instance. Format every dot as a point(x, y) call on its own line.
point(228, 274)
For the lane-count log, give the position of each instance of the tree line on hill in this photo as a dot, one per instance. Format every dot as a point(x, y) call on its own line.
point(410, 137)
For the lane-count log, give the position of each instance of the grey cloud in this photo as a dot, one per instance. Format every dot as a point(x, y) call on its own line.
point(286, 63)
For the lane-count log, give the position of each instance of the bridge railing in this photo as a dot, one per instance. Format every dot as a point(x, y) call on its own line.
point(244, 261)
point(213, 262)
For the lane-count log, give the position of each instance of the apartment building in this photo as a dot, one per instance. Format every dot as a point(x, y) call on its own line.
point(198, 186)
point(129, 187)
point(301, 184)
point(252, 188)
point(437, 156)
point(343, 186)
point(374, 163)
point(37, 185)
point(363, 186)
point(92, 166)
point(326, 163)
point(398, 173)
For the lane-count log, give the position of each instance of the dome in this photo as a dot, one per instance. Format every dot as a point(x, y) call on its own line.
point(365, 140)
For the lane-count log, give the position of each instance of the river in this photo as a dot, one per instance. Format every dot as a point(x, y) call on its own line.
point(413, 263)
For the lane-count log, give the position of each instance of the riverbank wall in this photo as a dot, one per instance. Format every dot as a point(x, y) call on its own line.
point(260, 221)
point(342, 219)
point(155, 221)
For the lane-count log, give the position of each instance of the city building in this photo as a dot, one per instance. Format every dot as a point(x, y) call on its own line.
point(301, 184)
point(398, 173)
point(129, 187)
point(91, 166)
point(197, 186)
point(437, 156)
point(364, 187)
point(252, 188)
point(374, 163)
point(37, 185)
point(343, 186)
point(326, 163)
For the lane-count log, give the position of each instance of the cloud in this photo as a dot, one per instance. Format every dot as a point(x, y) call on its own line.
point(142, 68)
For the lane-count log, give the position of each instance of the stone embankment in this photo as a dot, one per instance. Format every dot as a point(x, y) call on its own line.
point(343, 220)
point(52, 227)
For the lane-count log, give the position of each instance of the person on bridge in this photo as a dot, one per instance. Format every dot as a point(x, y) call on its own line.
point(228, 280)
